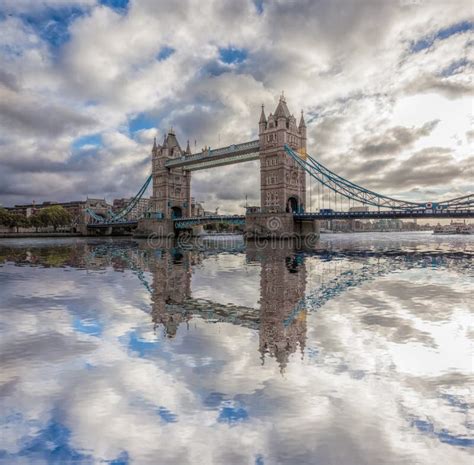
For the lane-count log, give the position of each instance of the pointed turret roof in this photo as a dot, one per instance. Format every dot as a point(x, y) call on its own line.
point(188, 148)
point(171, 140)
point(282, 110)
point(302, 123)
point(263, 118)
point(154, 144)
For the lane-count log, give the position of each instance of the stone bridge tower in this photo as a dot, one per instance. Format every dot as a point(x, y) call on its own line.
point(283, 181)
point(171, 187)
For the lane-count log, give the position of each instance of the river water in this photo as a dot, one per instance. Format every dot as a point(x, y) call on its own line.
point(357, 352)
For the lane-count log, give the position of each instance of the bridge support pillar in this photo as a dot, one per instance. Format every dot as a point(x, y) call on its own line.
point(198, 230)
point(157, 228)
point(307, 228)
point(280, 226)
point(269, 225)
point(83, 230)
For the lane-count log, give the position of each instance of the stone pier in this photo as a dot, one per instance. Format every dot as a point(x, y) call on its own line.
point(279, 226)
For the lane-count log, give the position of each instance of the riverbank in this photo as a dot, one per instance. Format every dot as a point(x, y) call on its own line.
point(12, 235)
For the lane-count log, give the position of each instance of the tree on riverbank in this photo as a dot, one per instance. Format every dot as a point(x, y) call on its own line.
point(51, 216)
point(19, 221)
point(12, 220)
point(54, 216)
point(5, 217)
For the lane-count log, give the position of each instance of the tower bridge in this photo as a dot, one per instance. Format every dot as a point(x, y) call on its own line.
point(285, 167)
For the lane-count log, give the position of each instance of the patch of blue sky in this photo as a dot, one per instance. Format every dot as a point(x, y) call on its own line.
point(90, 139)
point(139, 346)
point(232, 55)
point(443, 435)
point(139, 122)
point(50, 445)
point(232, 413)
point(167, 416)
point(456, 401)
point(118, 5)
point(164, 53)
point(442, 34)
point(52, 24)
point(258, 6)
point(122, 459)
point(88, 326)
point(454, 67)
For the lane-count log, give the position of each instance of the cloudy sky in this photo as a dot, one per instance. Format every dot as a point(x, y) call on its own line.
point(85, 86)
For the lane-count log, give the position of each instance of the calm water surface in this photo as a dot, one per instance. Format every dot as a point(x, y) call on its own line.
point(356, 353)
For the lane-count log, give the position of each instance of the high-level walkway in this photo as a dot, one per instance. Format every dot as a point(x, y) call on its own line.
point(236, 153)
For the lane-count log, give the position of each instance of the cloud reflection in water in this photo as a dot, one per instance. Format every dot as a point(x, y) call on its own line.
point(203, 369)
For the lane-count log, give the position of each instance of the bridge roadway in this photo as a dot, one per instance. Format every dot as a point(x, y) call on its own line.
point(386, 214)
point(235, 153)
point(113, 224)
point(185, 223)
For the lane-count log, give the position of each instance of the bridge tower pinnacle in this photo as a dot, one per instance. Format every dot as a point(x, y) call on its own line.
point(283, 181)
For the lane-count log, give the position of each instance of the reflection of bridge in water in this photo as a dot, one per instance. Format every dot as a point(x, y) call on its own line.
point(284, 300)
point(291, 283)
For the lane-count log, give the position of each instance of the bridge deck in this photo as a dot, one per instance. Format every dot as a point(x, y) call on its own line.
point(386, 214)
point(237, 153)
point(184, 223)
point(116, 224)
